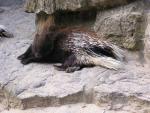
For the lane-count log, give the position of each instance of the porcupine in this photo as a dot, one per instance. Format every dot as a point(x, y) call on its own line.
point(74, 47)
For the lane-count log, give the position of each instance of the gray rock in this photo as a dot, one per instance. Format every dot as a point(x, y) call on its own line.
point(40, 85)
point(147, 39)
point(122, 25)
point(4, 32)
point(51, 6)
point(1, 10)
point(74, 108)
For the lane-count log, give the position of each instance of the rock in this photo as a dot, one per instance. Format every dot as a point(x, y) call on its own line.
point(122, 25)
point(48, 6)
point(74, 108)
point(147, 39)
point(51, 6)
point(41, 85)
point(1, 10)
point(4, 32)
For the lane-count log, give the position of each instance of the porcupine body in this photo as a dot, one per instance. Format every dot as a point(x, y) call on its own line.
point(75, 48)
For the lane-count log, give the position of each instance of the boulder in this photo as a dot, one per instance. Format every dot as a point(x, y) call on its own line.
point(41, 85)
point(147, 39)
point(4, 32)
point(122, 25)
point(51, 6)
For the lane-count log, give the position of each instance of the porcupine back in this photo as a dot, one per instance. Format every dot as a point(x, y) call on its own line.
point(90, 49)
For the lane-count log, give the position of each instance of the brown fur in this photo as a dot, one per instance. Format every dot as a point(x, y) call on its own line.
point(74, 47)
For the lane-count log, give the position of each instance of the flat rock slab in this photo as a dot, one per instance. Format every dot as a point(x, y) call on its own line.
point(74, 108)
point(51, 6)
point(40, 85)
point(123, 25)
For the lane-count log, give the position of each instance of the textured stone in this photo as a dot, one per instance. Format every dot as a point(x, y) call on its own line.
point(40, 85)
point(123, 25)
point(4, 32)
point(51, 6)
point(147, 39)
point(37, 6)
point(75, 108)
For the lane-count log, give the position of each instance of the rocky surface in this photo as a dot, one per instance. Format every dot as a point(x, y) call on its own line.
point(74, 108)
point(123, 25)
point(51, 6)
point(4, 32)
point(40, 85)
point(147, 38)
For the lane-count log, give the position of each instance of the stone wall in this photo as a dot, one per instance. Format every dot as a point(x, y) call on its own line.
point(40, 85)
point(51, 6)
point(118, 21)
point(123, 25)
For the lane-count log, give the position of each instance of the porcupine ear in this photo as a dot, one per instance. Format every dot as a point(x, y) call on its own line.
point(4, 32)
point(107, 55)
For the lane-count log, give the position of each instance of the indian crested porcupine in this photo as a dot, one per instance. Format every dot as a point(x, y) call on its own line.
point(75, 48)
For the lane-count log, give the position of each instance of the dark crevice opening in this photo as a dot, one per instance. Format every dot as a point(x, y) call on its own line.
point(75, 18)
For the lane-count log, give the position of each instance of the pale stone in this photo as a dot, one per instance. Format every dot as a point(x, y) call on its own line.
point(74, 108)
point(123, 25)
point(51, 6)
point(41, 85)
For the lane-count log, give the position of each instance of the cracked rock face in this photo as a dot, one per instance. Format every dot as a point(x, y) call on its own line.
point(40, 85)
point(51, 6)
point(123, 25)
point(74, 108)
point(147, 39)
